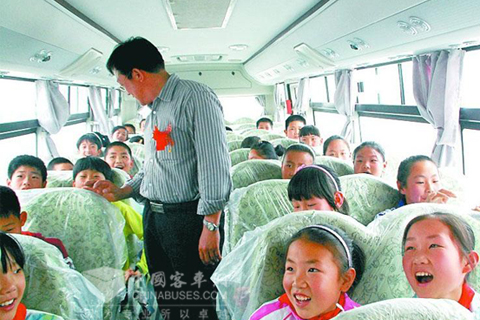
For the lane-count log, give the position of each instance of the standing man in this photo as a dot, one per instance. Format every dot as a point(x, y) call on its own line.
point(185, 179)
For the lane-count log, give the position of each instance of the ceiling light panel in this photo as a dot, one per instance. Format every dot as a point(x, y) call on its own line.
point(199, 14)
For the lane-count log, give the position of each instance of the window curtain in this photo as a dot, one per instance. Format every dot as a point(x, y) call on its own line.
point(303, 97)
point(100, 115)
point(53, 112)
point(436, 88)
point(345, 102)
point(279, 106)
point(262, 100)
point(112, 98)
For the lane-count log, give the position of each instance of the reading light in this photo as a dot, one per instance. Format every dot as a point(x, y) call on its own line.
point(330, 53)
point(163, 49)
point(312, 56)
point(407, 28)
point(419, 24)
point(238, 47)
point(41, 56)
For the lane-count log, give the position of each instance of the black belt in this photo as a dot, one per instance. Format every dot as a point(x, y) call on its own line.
point(161, 207)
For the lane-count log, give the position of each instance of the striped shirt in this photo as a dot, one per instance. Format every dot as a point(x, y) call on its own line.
point(197, 165)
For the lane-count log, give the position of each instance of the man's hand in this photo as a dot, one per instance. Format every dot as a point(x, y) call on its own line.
point(209, 246)
point(110, 191)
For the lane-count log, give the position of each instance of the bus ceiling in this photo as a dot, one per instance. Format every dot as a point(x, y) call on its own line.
point(252, 43)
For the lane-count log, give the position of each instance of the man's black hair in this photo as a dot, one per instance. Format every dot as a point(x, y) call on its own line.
point(29, 161)
point(93, 163)
point(57, 160)
point(294, 117)
point(9, 203)
point(138, 53)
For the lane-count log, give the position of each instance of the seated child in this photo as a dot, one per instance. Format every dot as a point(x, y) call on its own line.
point(12, 280)
point(338, 147)
point(293, 124)
point(89, 170)
point(316, 187)
point(119, 155)
point(248, 142)
point(295, 156)
point(60, 164)
point(90, 144)
point(130, 128)
point(418, 181)
point(310, 135)
point(322, 265)
point(264, 150)
point(26, 172)
point(265, 124)
point(119, 133)
point(438, 255)
point(12, 219)
point(136, 139)
point(369, 157)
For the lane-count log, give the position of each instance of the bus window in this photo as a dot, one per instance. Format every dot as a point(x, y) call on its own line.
point(331, 87)
point(367, 84)
point(66, 139)
point(13, 147)
point(78, 99)
point(318, 90)
point(408, 83)
point(329, 123)
point(17, 100)
point(472, 153)
point(239, 107)
point(388, 84)
point(470, 80)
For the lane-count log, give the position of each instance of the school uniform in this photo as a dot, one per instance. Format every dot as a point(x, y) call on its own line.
point(282, 308)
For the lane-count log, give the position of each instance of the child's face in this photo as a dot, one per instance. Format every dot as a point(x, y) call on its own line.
point(338, 149)
point(432, 261)
point(422, 183)
point(293, 129)
point(264, 126)
point(369, 160)
point(63, 167)
point(88, 148)
point(118, 157)
point(312, 279)
point(312, 140)
point(12, 287)
point(254, 155)
point(25, 178)
point(130, 130)
point(293, 160)
point(120, 135)
point(12, 224)
point(313, 203)
point(87, 178)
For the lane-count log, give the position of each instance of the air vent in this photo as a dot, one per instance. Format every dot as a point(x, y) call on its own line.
point(82, 65)
point(313, 56)
point(200, 58)
point(199, 14)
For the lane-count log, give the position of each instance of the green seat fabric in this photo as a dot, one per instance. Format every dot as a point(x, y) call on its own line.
point(341, 167)
point(254, 206)
point(251, 274)
point(90, 227)
point(138, 150)
point(251, 171)
point(285, 142)
point(239, 155)
point(63, 179)
point(367, 196)
point(234, 137)
point(244, 120)
point(243, 127)
point(234, 145)
point(255, 132)
point(272, 136)
point(409, 309)
point(51, 286)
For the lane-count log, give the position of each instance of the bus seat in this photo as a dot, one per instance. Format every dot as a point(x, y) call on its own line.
point(409, 309)
point(51, 286)
point(91, 229)
point(63, 179)
point(367, 196)
point(341, 167)
point(254, 206)
point(285, 142)
point(138, 151)
point(239, 155)
point(244, 120)
point(234, 137)
point(243, 127)
point(255, 132)
point(251, 171)
point(234, 145)
point(272, 136)
point(251, 274)
point(137, 165)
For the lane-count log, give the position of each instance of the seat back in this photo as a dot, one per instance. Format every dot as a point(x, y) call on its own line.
point(254, 206)
point(63, 179)
point(285, 142)
point(234, 145)
point(233, 136)
point(239, 155)
point(138, 151)
point(272, 136)
point(341, 167)
point(255, 132)
point(90, 227)
point(251, 171)
point(367, 196)
point(51, 284)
